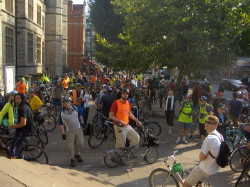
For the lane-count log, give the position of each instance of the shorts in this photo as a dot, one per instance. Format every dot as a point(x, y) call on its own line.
point(183, 125)
point(202, 130)
point(196, 175)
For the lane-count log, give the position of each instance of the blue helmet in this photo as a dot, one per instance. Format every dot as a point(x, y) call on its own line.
point(131, 100)
point(13, 92)
point(203, 97)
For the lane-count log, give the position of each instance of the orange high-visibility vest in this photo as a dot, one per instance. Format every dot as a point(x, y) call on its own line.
point(123, 110)
point(21, 87)
point(74, 98)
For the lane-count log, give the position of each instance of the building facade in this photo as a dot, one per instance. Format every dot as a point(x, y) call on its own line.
point(76, 35)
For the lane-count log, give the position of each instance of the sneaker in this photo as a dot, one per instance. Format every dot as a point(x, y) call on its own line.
point(177, 142)
point(78, 158)
point(72, 163)
point(169, 132)
point(185, 142)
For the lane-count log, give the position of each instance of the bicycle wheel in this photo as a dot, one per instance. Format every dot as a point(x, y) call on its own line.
point(154, 128)
point(33, 140)
point(151, 155)
point(237, 159)
point(32, 153)
point(112, 158)
point(194, 132)
point(161, 177)
point(243, 174)
point(49, 123)
point(42, 133)
point(97, 137)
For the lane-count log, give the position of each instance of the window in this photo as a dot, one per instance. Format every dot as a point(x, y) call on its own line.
point(9, 6)
point(43, 53)
point(30, 9)
point(30, 48)
point(9, 45)
point(43, 23)
point(39, 13)
point(38, 50)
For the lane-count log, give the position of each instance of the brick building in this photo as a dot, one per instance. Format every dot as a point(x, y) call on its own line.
point(76, 35)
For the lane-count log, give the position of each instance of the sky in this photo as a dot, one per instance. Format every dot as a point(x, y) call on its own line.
point(77, 1)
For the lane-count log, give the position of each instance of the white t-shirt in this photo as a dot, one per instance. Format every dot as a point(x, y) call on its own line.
point(212, 144)
point(86, 96)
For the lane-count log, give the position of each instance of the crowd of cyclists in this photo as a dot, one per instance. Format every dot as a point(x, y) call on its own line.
point(190, 102)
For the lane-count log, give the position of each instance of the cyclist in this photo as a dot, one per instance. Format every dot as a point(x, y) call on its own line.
point(8, 111)
point(205, 109)
point(211, 145)
point(34, 101)
point(57, 92)
point(70, 126)
point(78, 100)
point(120, 113)
point(134, 111)
point(235, 109)
point(224, 121)
point(185, 109)
point(24, 125)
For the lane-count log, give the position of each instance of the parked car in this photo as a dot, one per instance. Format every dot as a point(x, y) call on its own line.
point(231, 84)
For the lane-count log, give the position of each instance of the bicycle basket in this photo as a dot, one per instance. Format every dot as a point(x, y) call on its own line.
point(177, 167)
point(152, 141)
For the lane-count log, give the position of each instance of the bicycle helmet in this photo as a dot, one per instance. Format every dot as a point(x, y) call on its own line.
point(31, 90)
point(66, 99)
point(124, 90)
point(42, 85)
point(108, 89)
point(203, 97)
point(131, 100)
point(78, 85)
point(88, 84)
point(35, 82)
point(13, 92)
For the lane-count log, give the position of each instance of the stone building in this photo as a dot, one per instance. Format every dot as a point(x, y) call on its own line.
point(76, 35)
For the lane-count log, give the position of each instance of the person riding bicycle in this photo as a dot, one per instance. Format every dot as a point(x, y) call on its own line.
point(24, 125)
point(224, 121)
point(120, 113)
point(8, 116)
point(211, 145)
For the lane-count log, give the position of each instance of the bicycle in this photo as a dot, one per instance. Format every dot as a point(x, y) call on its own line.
point(113, 157)
point(39, 128)
point(154, 127)
point(100, 131)
point(245, 171)
point(28, 152)
point(172, 176)
point(239, 157)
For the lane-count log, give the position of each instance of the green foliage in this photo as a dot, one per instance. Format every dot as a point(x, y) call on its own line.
point(188, 34)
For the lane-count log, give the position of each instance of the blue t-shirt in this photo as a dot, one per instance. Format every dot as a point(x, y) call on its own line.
point(235, 107)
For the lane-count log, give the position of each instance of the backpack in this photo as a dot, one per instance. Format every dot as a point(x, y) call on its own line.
point(224, 154)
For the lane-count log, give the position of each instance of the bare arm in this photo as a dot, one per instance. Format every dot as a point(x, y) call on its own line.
point(21, 124)
point(202, 156)
point(134, 118)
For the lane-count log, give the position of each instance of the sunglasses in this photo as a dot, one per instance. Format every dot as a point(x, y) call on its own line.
point(209, 122)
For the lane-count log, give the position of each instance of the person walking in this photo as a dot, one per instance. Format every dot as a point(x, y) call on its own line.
point(70, 122)
point(171, 102)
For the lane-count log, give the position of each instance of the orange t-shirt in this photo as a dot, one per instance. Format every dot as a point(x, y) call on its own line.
point(121, 110)
point(21, 88)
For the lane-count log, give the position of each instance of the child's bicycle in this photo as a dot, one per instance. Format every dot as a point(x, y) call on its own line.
point(114, 157)
point(172, 176)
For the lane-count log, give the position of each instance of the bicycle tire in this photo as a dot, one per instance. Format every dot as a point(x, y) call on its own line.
point(151, 155)
point(33, 140)
point(154, 128)
point(97, 137)
point(33, 153)
point(237, 158)
point(162, 177)
point(112, 158)
point(49, 123)
point(244, 172)
point(42, 133)
point(193, 135)
point(45, 110)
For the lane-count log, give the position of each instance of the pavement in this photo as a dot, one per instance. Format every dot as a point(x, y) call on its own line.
point(135, 173)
